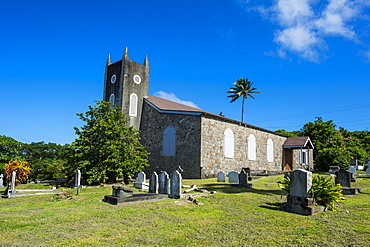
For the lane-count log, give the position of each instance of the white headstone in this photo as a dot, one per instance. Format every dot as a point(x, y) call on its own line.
point(221, 176)
point(301, 183)
point(153, 183)
point(141, 179)
point(78, 179)
point(233, 177)
point(12, 183)
point(176, 184)
point(1, 180)
point(163, 183)
point(352, 169)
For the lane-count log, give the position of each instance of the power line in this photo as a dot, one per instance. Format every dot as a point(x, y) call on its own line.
point(331, 110)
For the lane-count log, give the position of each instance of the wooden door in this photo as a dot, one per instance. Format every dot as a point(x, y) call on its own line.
point(288, 158)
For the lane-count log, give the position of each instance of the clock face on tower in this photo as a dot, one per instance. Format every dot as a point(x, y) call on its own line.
point(113, 79)
point(137, 79)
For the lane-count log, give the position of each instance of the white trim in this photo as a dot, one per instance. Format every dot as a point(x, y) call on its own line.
point(133, 105)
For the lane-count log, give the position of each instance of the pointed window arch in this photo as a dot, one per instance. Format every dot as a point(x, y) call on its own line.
point(251, 147)
point(270, 150)
point(169, 141)
point(133, 105)
point(112, 99)
point(229, 143)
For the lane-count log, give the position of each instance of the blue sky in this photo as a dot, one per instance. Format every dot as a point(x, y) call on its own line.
point(307, 58)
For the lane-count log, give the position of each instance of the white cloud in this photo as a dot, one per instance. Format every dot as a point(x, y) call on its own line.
point(300, 39)
point(304, 24)
point(334, 18)
point(173, 97)
point(292, 12)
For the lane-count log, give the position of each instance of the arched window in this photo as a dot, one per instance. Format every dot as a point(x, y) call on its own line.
point(229, 143)
point(169, 141)
point(133, 105)
point(251, 147)
point(270, 150)
point(112, 99)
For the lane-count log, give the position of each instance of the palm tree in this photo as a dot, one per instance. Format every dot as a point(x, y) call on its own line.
point(243, 87)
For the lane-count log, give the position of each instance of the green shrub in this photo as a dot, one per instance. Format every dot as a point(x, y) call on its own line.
point(324, 191)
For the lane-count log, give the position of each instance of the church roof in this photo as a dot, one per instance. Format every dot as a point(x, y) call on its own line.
point(298, 142)
point(167, 106)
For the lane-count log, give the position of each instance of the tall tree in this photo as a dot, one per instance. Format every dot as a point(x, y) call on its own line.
point(106, 148)
point(242, 88)
point(47, 159)
point(9, 150)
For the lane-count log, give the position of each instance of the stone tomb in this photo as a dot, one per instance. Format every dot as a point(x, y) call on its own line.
point(299, 200)
point(123, 194)
point(344, 178)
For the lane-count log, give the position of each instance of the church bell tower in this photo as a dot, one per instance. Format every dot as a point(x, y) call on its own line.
point(126, 84)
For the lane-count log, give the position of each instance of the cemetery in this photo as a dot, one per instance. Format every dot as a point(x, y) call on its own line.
point(168, 208)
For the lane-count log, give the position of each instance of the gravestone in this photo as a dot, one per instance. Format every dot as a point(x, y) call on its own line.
point(247, 171)
point(299, 200)
point(153, 183)
point(333, 169)
point(1, 181)
point(343, 178)
point(233, 177)
point(352, 169)
point(163, 183)
point(221, 176)
point(354, 163)
point(301, 183)
point(368, 170)
point(78, 179)
point(175, 185)
point(12, 182)
point(141, 179)
point(243, 177)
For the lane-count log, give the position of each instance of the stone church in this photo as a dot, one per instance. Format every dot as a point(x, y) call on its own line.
point(200, 142)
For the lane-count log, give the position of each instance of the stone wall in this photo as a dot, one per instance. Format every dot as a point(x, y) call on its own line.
point(297, 159)
point(212, 144)
point(153, 124)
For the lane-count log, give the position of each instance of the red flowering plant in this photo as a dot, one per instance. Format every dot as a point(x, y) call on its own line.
point(22, 169)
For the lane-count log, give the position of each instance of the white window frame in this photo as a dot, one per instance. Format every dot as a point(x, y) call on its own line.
point(228, 144)
point(270, 150)
point(303, 157)
point(169, 141)
point(251, 147)
point(112, 99)
point(133, 105)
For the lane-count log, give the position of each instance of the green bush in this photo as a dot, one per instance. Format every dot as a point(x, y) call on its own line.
point(324, 191)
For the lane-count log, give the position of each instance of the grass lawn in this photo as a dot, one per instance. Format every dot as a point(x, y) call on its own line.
point(231, 217)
